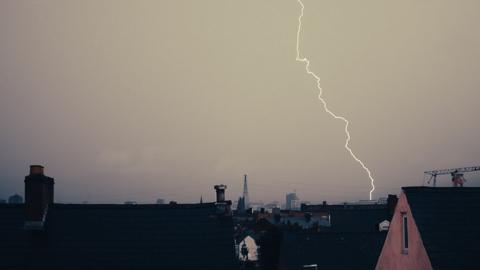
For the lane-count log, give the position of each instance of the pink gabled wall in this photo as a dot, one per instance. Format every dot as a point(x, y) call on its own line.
point(391, 257)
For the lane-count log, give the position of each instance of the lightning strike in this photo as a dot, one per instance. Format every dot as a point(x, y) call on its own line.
point(325, 107)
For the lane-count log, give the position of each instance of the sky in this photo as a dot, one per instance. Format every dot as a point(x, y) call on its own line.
point(139, 100)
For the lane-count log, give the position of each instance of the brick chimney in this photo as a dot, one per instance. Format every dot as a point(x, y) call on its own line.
point(38, 197)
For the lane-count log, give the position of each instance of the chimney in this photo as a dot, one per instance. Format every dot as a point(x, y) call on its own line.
point(223, 206)
point(220, 189)
point(38, 197)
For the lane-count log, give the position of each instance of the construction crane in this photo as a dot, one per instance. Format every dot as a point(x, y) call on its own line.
point(457, 174)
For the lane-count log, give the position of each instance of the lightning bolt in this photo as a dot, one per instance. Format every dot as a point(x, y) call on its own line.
point(325, 107)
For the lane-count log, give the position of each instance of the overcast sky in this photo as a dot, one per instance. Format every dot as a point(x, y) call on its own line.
point(139, 100)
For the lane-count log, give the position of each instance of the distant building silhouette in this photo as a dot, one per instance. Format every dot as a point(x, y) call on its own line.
point(160, 201)
point(2, 201)
point(241, 206)
point(292, 202)
point(271, 205)
point(243, 203)
point(130, 202)
point(15, 199)
point(246, 198)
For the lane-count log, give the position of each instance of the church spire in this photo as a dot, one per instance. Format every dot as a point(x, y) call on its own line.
point(245, 193)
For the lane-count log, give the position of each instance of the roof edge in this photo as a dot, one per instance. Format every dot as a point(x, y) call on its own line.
point(133, 206)
point(440, 189)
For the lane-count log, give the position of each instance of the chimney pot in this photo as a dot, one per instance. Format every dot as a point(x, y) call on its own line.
point(36, 169)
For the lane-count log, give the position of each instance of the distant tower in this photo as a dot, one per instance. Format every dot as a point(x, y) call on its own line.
point(245, 193)
point(292, 202)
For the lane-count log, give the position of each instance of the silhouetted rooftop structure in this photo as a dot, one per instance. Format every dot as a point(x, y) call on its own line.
point(118, 237)
point(43, 235)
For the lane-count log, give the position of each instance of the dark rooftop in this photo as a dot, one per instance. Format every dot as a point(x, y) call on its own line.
point(331, 250)
point(353, 217)
point(449, 223)
point(352, 242)
point(360, 220)
point(332, 207)
point(77, 236)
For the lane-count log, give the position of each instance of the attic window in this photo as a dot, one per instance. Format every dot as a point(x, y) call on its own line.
point(404, 233)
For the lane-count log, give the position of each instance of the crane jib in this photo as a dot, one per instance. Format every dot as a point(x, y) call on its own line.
point(456, 170)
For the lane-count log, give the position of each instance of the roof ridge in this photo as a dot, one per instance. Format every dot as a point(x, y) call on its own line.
point(133, 206)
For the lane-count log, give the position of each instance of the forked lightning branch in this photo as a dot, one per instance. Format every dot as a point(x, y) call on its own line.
point(325, 107)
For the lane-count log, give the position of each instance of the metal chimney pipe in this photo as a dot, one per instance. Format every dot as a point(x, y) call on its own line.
point(220, 190)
